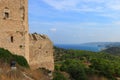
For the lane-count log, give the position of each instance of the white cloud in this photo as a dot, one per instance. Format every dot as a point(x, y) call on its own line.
point(116, 23)
point(75, 5)
point(53, 29)
point(62, 4)
point(85, 5)
point(113, 4)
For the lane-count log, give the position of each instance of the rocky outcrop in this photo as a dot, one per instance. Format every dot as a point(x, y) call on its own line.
point(41, 52)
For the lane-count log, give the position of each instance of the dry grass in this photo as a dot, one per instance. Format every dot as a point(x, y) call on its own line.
point(37, 75)
point(95, 77)
point(21, 74)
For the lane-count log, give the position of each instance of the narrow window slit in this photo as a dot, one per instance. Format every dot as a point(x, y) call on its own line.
point(11, 39)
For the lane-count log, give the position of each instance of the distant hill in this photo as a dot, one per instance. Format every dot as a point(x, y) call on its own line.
point(107, 44)
point(112, 50)
point(103, 45)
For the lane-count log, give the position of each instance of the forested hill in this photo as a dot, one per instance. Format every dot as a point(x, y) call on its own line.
point(85, 65)
point(112, 50)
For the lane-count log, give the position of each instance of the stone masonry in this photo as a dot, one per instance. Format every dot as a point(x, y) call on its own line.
point(14, 26)
point(41, 50)
point(14, 35)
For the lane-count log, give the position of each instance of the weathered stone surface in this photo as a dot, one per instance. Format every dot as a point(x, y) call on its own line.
point(14, 35)
point(41, 52)
point(13, 27)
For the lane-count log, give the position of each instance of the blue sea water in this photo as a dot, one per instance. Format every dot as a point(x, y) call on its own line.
point(93, 48)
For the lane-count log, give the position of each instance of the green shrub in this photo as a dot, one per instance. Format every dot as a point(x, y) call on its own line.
point(57, 67)
point(75, 68)
point(7, 56)
point(21, 60)
point(58, 76)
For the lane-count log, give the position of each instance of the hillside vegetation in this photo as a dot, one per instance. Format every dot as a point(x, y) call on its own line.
point(112, 50)
point(85, 65)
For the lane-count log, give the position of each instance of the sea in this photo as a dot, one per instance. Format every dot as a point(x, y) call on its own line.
point(93, 48)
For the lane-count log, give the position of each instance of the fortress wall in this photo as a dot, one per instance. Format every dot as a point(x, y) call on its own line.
point(14, 27)
point(41, 52)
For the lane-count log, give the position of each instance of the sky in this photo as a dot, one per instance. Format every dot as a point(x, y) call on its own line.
point(76, 21)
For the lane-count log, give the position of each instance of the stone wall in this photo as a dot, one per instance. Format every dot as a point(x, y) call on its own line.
point(41, 52)
point(14, 26)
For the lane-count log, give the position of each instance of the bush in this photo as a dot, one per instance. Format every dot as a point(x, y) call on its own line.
point(75, 68)
point(57, 67)
point(21, 60)
point(58, 76)
point(7, 56)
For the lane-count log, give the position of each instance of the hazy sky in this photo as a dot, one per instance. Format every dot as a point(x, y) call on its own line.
point(76, 21)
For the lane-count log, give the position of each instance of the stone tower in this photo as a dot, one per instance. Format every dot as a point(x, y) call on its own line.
point(14, 26)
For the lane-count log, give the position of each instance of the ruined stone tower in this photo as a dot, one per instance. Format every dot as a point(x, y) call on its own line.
point(14, 35)
point(14, 26)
